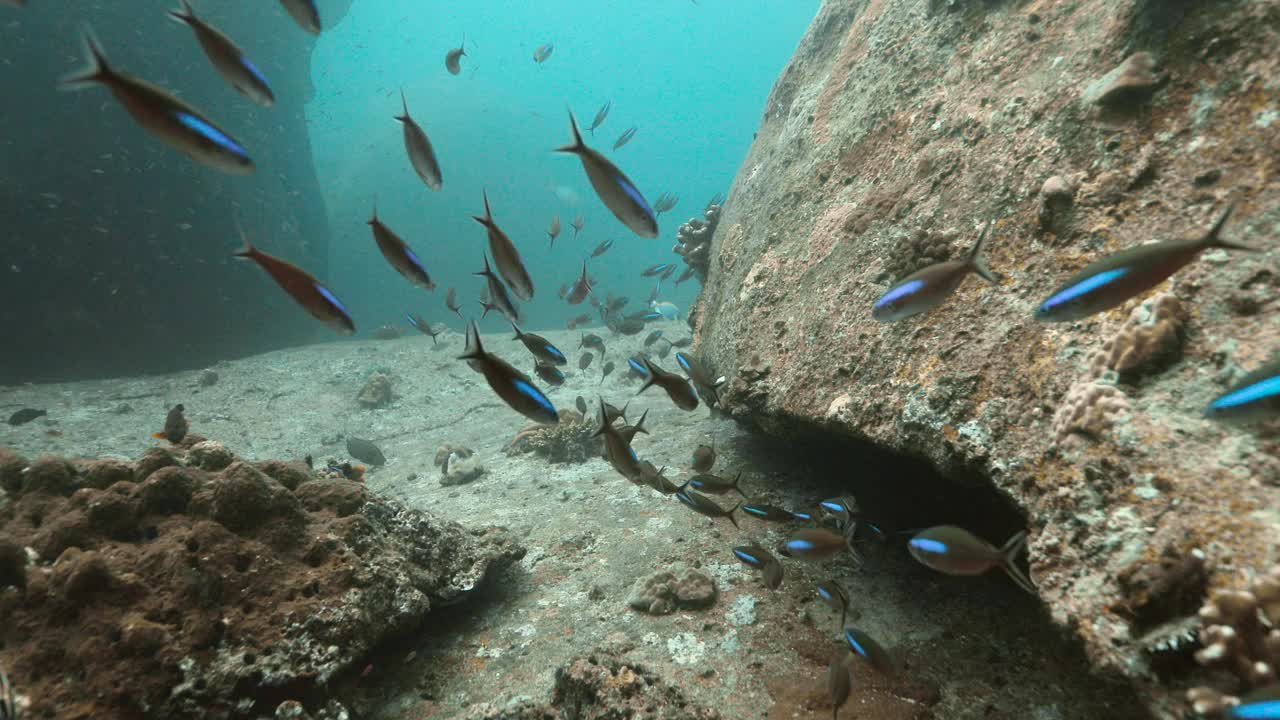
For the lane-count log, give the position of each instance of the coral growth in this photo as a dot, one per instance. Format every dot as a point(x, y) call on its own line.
point(1152, 333)
point(572, 440)
point(1240, 631)
point(458, 465)
point(694, 240)
point(376, 392)
point(1057, 196)
point(603, 686)
point(173, 591)
point(1090, 408)
point(663, 592)
point(921, 249)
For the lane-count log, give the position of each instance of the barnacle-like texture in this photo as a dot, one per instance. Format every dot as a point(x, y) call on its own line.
point(694, 240)
point(376, 392)
point(662, 592)
point(568, 441)
point(1240, 630)
point(1152, 333)
point(1090, 408)
point(922, 249)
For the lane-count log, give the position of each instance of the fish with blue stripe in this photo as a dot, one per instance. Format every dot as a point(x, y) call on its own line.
point(512, 386)
point(304, 13)
point(1261, 704)
point(549, 373)
point(617, 450)
point(866, 647)
point(540, 347)
point(833, 594)
point(505, 256)
point(773, 513)
point(160, 113)
point(613, 187)
point(422, 326)
point(704, 505)
point(929, 287)
point(227, 58)
point(757, 557)
point(838, 682)
point(1118, 278)
point(399, 255)
point(498, 298)
point(715, 484)
point(302, 286)
point(1254, 398)
point(815, 544)
point(956, 551)
point(677, 388)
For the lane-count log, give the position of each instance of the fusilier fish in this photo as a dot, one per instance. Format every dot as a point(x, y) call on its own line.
point(227, 58)
point(602, 248)
point(422, 326)
point(591, 340)
point(716, 485)
point(549, 373)
point(815, 544)
point(304, 13)
point(160, 113)
point(833, 594)
point(1118, 278)
point(613, 187)
point(604, 371)
point(584, 362)
point(541, 347)
point(655, 269)
point(928, 288)
point(581, 287)
point(757, 557)
point(553, 232)
point(451, 299)
point(303, 287)
point(505, 256)
point(625, 137)
point(542, 52)
point(617, 449)
point(601, 114)
point(578, 223)
point(838, 682)
point(1255, 397)
point(416, 144)
point(704, 505)
point(514, 387)
point(773, 513)
point(677, 388)
point(956, 551)
point(866, 647)
point(399, 254)
point(498, 296)
point(453, 58)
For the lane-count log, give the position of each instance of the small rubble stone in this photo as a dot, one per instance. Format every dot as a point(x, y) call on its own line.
point(208, 378)
point(376, 391)
point(1130, 83)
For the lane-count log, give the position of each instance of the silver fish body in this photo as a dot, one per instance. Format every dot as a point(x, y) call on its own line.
point(227, 58)
point(577, 225)
point(399, 254)
point(542, 52)
point(304, 13)
point(553, 232)
point(498, 294)
point(163, 115)
point(505, 256)
point(625, 137)
point(601, 114)
point(613, 187)
point(421, 154)
point(929, 287)
point(1117, 278)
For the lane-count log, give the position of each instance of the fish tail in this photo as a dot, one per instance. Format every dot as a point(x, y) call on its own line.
point(577, 145)
point(977, 262)
point(96, 71)
point(248, 250)
point(1213, 237)
point(1009, 562)
point(404, 104)
point(473, 341)
point(158, 435)
point(183, 14)
point(487, 220)
point(733, 519)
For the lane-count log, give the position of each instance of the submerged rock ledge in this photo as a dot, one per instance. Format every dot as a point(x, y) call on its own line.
point(894, 133)
point(156, 588)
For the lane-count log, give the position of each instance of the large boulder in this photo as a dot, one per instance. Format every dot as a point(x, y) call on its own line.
point(896, 131)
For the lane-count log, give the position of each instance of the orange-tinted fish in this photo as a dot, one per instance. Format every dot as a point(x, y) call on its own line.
point(175, 425)
point(399, 254)
point(581, 287)
point(302, 287)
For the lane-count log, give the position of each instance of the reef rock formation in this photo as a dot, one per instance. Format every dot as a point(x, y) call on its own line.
point(169, 590)
point(898, 129)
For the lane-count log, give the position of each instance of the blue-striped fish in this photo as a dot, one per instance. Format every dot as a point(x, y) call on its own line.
point(423, 326)
point(625, 137)
point(1255, 397)
point(1261, 704)
point(757, 557)
point(1116, 279)
point(677, 388)
point(505, 255)
point(542, 52)
point(815, 544)
point(833, 594)
point(866, 647)
point(928, 288)
point(162, 114)
point(227, 58)
point(304, 13)
point(513, 387)
point(704, 505)
point(302, 287)
point(399, 254)
point(498, 298)
point(601, 114)
point(613, 187)
point(541, 347)
point(616, 448)
point(956, 551)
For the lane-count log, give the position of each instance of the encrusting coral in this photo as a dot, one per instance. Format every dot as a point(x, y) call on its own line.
point(572, 440)
point(376, 392)
point(694, 240)
point(1152, 332)
point(1240, 630)
point(1090, 408)
point(663, 592)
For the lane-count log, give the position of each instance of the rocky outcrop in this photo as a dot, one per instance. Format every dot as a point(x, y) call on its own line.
point(173, 591)
point(897, 130)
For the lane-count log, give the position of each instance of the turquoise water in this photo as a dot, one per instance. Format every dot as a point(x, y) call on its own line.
point(692, 78)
